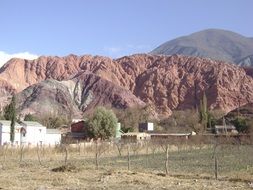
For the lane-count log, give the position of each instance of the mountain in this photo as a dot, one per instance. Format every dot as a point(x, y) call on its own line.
point(249, 71)
point(75, 96)
point(79, 83)
point(246, 61)
point(212, 43)
point(244, 111)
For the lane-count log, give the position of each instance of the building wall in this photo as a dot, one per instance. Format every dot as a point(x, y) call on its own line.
point(52, 139)
point(34, 135)
point(5, 135)
point(143, 127)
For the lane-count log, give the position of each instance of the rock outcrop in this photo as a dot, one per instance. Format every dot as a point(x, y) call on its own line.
point(80, 83)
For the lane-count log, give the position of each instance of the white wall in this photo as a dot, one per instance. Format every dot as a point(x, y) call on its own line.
point(34, 135)
point(52, 139)
point(5, 135)
point(150, 127)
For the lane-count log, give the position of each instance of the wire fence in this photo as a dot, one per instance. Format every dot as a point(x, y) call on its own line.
point(201, 156)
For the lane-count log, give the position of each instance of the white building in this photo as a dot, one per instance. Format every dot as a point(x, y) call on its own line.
point(53, 137)
point(144, 127)
point(5, 132)
point(28, 133)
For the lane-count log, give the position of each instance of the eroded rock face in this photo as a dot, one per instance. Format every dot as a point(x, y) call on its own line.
point(164, 82)
point(75, 96)
point(249, 71)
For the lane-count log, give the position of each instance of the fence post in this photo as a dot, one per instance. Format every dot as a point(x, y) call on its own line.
point(146, 153)
point(21, 153)
point(66, 154)
point(167, 160)
point(128, 157)
point(38, 154)
point(216, 166)
point(96, 155)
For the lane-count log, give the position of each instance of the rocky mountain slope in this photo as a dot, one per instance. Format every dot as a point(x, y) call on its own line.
point(80, 83)
point(246, 61)
point(212, 43)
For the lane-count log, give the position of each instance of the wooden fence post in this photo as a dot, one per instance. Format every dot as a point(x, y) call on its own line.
point(216, 166)
point(167, 160)
point(128, 157)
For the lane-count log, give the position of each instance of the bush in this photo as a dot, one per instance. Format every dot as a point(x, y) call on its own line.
point(241, 125)
point(103, 123)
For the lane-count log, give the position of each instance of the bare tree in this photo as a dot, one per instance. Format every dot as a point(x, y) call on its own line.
point(100, 148)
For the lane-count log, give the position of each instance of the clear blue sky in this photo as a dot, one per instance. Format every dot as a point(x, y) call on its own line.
point(112, 27)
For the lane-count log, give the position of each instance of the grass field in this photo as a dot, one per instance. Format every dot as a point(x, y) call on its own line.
point(189, 168)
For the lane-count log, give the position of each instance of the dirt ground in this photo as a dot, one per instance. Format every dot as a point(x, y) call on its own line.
point(36, 177)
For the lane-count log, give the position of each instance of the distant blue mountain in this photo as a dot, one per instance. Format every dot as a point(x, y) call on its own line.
point(213, 43)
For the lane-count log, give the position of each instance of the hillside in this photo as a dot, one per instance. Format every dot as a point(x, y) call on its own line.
point(80, 83)
point(212, 43)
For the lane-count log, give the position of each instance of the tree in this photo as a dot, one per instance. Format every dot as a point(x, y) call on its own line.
point(204, 115)
point(241, 125)
point(53, 121)
point(103, 123)
point(30, 117)
point(182, 121)
point(131, 117)
point(10, 114)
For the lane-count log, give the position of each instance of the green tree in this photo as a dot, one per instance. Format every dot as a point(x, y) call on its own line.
point(241, 124)
point(103, 123)
point(10, 114)
point(204, 116)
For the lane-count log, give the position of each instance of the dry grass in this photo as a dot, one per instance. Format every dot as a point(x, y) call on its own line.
point(188, 169)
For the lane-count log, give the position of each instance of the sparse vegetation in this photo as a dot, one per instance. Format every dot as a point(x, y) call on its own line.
point(30, 117)
point(242, 124)
point(187, 167)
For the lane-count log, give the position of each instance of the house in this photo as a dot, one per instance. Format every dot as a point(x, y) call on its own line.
point(28, 133)
point(5, 132)
point(144, 127)
point(225, 130)
point(78, 131)
point(32, 133)
point(53, 137)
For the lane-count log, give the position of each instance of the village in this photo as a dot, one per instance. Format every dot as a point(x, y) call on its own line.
point(31, 133)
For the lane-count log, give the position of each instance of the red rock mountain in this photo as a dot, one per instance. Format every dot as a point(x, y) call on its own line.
point(164, 82)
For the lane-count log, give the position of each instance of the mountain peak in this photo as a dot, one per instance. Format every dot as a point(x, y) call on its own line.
point(217, 44)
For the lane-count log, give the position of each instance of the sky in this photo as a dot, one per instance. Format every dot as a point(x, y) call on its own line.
point(114, 28)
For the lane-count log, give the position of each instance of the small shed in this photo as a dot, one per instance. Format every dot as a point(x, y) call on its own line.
point(134, 137)
point(78, 127)
point(143, 127)
point(225, 129)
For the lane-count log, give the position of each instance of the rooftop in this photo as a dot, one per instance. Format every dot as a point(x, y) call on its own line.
point(224, 127)
point(53, 131)
point(32, 123)
point(8, 123)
